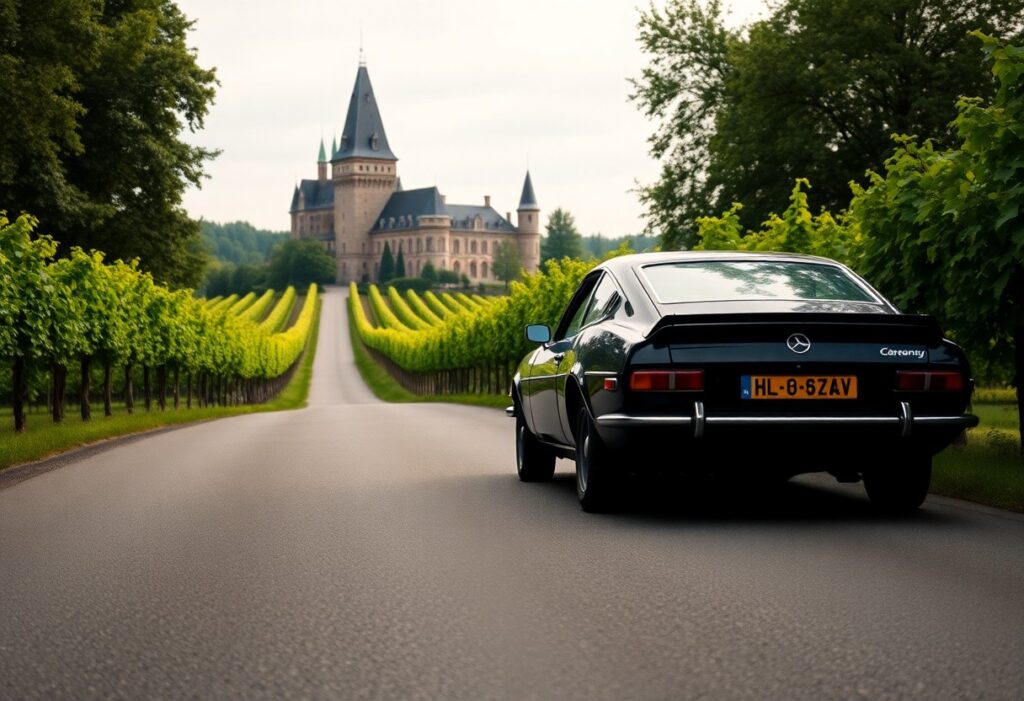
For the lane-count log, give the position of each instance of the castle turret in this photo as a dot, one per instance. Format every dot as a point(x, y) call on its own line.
point(364, 171)
point(528, 236)
point(321, 162)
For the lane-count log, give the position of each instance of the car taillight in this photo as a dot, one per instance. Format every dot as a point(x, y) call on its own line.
point(920, 381)
point(667, 381)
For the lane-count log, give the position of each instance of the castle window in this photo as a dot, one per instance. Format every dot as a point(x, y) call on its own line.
point(430, 245)
point(375, 142)
point(457, 267)
point(456, 246)
point(419, 245)
point(483, 269)
point(472, 249)
point(483, 249)
point(472, 269)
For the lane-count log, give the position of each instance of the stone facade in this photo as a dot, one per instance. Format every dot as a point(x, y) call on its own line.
point(357, 204)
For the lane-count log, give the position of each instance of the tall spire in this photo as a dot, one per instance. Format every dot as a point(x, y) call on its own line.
point(528, 200)
point(322, 158)
point(334, 145)
point(363, 135)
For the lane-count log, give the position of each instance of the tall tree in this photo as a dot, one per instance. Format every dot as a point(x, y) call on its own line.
point(562, 240)
point(400, 263)
point(507, 263)
point(94, 97)
point(813, 91)
point(387, 265)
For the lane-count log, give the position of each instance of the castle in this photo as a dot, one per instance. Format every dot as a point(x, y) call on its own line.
point(357, 204)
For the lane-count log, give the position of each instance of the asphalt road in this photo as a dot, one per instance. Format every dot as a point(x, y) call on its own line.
point(356, 550)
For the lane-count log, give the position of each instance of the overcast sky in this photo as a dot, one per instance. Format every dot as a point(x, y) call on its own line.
point(471, 92)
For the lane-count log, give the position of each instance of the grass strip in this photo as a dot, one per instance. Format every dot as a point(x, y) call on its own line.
point(45, 438)
point(387, 388)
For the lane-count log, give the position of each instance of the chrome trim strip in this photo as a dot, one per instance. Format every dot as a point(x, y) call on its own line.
point(510, 411)
point(543, 377)
point(698, 419)
point(906, 419)
point(625, 420)
point(600, 373)
point(801, 420)
point(966, 420)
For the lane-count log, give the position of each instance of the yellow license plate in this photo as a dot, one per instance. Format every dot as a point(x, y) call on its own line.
point(798, 387)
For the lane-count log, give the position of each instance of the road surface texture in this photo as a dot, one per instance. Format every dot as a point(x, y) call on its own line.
point(360, 550)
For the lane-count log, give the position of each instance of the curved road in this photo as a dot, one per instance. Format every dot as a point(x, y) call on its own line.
point(356, 550)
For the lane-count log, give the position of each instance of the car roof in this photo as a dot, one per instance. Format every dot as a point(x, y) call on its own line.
point(637, 260)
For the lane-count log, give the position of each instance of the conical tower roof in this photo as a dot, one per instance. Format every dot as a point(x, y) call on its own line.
point(363, 135)
point(528, 200)
point(322, 157)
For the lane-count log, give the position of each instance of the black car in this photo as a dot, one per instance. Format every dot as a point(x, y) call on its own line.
point(771, 364)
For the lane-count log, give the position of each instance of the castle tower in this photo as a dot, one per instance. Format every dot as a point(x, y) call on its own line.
point(528, 236)
point(321, 163)
point(364, 172)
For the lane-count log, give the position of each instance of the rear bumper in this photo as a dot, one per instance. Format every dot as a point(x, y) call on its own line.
point(900, 426)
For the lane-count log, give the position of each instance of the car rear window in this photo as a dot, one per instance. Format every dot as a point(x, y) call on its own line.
point(718, 280)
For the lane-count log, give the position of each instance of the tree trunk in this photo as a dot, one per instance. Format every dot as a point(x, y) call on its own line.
point(161, 386)
point(59, 374)
point(1018, 360)
point(86, 386)
point(188, 393)
point(129, 394)
point(108, 389)
point(147, 388)
point(177, 386)
point(20, 386)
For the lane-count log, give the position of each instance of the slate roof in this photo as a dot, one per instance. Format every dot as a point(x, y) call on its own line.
point(317, 194)
point(463, 214)
point(406, 205)
point(363, 135)
point(528, 200)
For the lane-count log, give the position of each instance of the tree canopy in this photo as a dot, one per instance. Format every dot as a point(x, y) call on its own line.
point(938, 231)
point(562, 239)
point(93, 99)
point(507, 264)
point(300, 262)
point(813, 91)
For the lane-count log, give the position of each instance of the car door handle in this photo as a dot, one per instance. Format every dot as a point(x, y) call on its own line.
point(558, 357)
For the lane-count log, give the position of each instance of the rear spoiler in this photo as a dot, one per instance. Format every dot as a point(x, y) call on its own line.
point(892, 328)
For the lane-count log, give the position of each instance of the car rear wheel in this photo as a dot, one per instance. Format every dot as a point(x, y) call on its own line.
point(595, 479)
point(900, 486)
point(535, 462)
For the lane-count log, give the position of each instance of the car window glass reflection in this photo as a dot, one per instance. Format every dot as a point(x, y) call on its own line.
point(599, 301)
point(730, 280)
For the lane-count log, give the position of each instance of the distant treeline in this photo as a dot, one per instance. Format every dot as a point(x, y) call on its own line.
point(239, 242)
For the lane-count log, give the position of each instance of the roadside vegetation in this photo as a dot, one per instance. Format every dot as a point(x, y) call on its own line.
point(47, 438)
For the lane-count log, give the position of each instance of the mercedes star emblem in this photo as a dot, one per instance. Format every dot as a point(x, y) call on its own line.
point(798, 343)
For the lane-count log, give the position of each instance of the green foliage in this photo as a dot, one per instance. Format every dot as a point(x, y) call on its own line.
point(812, 91)
point(562, 240)
point(478, 334)
point(796, 231)
point(301, 262)
point(951, 220)
point(239, 242)
point(423, 311)
point(404, 312)
point(387, 265)
point(410, 283)
point(400, 263)
point(429, 273)
point(94, 98)
point(448, 277)
point(259, 308)
point(281, 312)
point(507, 264)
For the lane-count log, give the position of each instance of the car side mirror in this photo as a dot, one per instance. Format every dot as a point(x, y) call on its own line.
point(538, 333)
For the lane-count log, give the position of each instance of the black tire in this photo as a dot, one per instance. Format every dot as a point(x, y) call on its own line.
point(900, 486)
point(596, 482)
point(535, 462)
